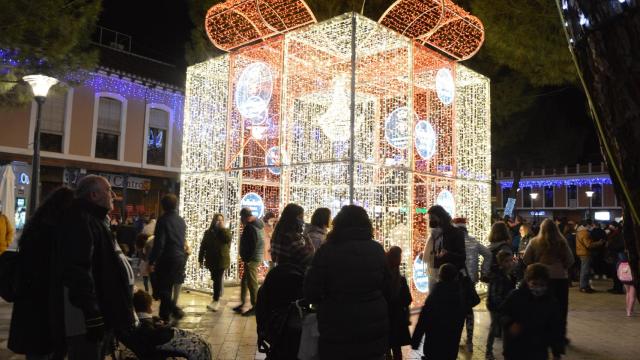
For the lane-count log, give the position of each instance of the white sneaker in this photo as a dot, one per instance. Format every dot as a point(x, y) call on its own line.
point(214, 306)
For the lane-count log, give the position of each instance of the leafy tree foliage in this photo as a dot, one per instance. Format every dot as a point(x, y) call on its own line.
point(44, 36)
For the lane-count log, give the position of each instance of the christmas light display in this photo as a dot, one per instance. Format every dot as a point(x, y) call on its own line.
point(438, 23)
point(409, 132)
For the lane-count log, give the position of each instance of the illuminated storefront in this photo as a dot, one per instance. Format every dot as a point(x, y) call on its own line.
point(271, 123)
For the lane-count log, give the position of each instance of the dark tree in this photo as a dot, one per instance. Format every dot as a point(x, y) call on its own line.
point(604, 37)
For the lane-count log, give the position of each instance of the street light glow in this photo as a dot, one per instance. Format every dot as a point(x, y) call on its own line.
point(40, 84)
point(589, 193)
point(533, 196)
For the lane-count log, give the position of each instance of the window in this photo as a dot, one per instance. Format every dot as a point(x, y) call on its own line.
point(596, 200)
point(572, 196)
point(52, 122)
point(505, 196)
point(548, 196)
point(108, 134)
point(526, 197)
point(157, 137)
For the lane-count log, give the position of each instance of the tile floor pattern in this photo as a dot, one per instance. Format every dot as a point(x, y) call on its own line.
point(598, 328)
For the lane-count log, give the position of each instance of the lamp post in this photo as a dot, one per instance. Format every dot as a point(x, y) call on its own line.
point(589, 195)
point(534, 196)
point(40, 85)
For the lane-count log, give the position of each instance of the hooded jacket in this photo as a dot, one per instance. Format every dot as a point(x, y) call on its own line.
point(252, 241)
point(214, 248)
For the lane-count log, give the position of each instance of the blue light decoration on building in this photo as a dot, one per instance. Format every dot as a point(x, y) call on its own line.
point(537, 183)
point(131, 89)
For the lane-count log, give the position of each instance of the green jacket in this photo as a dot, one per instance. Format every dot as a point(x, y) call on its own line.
point(214, 249)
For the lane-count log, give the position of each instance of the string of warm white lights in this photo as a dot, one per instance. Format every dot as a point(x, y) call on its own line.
point(270, 124)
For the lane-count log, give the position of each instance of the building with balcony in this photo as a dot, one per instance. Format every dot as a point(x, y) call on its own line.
point(575, 192)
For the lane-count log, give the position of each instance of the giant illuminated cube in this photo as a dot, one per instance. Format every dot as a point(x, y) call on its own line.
point(271, 123)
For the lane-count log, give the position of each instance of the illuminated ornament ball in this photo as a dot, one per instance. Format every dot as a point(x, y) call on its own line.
point(396, 128)
point(253, 92)
point(445, 87)
point(425, 139)
point(272, 159)
point(420, 276)
point(446, 200)
point(254, 202)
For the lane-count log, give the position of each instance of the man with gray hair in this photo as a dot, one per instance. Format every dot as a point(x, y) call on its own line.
point(97, 279)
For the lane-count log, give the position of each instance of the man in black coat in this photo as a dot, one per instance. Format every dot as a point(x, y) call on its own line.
point(251, 252)
point(168, 258)
point(98, 280)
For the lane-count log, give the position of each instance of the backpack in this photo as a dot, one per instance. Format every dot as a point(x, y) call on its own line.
point(624, 272)
point(9, 275)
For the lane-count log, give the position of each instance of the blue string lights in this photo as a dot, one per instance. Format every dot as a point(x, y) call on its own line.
point(538, 183)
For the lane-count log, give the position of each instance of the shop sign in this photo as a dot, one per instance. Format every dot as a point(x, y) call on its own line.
point(134, 183)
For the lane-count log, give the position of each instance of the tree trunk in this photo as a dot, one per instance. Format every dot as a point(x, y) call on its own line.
point(604, 37)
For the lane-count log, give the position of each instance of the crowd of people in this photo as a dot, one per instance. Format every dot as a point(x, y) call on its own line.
point(331, 291)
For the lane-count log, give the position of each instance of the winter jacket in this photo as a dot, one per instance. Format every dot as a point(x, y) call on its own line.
point(6, 233)
point(168, 243)
point(399, 302)
point(558, 261)
point(441, 320)
point(252, 241)
point(495, 248)
point(291, 246)
point(500, 285)
point(96, 278)
point(316, 234)
point(453, 243)
point(474, 250)
point(584, 243)
point(150, 333)
point(214, 249)
point(37, 323)
point(349, 282)
point(541, 324)
point(282, 286)
point(150, 228)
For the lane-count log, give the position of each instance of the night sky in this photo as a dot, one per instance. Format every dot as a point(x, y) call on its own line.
point(159, 28)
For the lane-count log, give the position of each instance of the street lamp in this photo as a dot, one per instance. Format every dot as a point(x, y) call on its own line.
point(534, 196)
point(40, 85)
point(589, 195)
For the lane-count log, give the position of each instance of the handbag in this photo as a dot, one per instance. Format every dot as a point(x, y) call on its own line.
point(309, 337)
point(624, 272)
point(470, 298)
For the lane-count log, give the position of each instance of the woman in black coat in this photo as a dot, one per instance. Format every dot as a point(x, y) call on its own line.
point(349, 282)
point(37, 326)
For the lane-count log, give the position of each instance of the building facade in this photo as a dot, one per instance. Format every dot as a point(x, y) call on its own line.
point(575, 192)
point(114, 122)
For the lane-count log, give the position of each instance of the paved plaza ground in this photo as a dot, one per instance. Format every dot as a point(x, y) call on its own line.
point(598, 328)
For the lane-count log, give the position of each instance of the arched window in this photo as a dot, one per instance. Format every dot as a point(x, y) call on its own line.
point(109, 128)
point(157, 137)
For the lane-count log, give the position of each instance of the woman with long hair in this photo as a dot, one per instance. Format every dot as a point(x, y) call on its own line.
point(549, 247)
point(288, 241)
point(499, 239)
point(317, 229)
point(37, 324)
point(349, 282)
point(214, 254)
